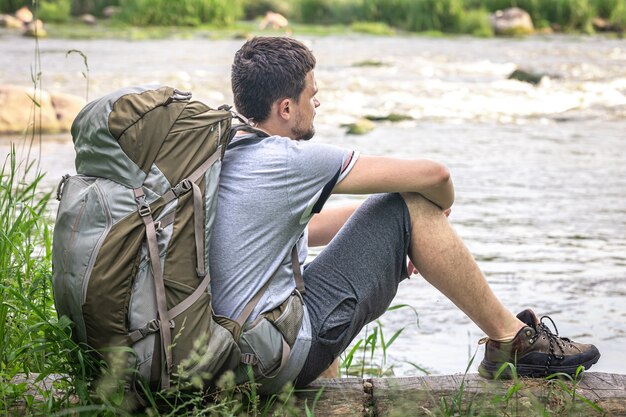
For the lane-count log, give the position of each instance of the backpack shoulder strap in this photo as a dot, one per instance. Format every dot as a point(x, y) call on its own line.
point(297, 270)
point(295, 263)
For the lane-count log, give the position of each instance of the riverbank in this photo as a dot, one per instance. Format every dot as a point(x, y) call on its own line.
point(111, 29)
point(449, 16)
point(240, 30)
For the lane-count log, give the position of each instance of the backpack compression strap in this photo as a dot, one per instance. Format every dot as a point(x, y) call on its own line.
point(164, 322)
point(143, 208)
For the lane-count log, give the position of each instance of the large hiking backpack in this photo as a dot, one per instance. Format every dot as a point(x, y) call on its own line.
point(131, 240)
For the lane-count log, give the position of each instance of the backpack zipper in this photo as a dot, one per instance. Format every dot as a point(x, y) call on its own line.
point(96, 249)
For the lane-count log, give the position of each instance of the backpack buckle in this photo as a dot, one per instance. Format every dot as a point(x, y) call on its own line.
point(143, 208)
point(151, 327)
point(249, 359)
point(182, 187)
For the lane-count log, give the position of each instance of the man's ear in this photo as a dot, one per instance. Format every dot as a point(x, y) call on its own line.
point(284, 108)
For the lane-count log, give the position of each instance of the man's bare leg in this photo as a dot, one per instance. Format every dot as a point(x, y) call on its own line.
point(332, 371)
point(445, 262)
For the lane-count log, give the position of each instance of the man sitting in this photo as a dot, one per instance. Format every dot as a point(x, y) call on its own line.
point(273, 185)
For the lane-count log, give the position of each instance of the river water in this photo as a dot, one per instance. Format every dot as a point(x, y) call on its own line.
point(540, 171)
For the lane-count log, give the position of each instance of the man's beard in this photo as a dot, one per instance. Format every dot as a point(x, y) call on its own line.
point(303, 134)
point(300, 133)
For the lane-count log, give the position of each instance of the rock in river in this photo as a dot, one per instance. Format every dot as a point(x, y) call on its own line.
point(55, 113)
point(511, 22)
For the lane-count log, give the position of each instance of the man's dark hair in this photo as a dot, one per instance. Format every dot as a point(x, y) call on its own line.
point(267, 69)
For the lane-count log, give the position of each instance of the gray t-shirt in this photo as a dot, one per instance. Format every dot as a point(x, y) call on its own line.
point(269, 190)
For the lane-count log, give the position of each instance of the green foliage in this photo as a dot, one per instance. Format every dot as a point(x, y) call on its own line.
point(372, 28)
point(570, 14)
point(31, 340)
point(476, 23)
point(604, 8)
point(618, 15)
point(54, 10)
point(426, 16)
point(255, 8)
point(180, 12)
point(328, 11)
point(416, 15)
point(411, 15)
point(94, 7)
point(10, 6)
point(568, 385)
point(567, 14)
point(23, 241)
point(360, 360)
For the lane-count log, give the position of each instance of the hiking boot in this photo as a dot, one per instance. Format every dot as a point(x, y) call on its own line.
point(536, 351)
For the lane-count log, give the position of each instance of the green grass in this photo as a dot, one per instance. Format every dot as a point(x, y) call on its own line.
point(373, 28)
point(31, 340)
point(237, 30)
point(367, 356)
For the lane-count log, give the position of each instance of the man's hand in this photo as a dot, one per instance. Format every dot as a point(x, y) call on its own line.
point(410, 268)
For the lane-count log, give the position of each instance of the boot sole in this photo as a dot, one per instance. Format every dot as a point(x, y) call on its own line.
point(488, 369)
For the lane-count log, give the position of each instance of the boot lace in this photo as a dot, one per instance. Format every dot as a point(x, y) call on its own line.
point(553, 338)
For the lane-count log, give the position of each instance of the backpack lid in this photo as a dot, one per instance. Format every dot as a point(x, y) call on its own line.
point(119, 135)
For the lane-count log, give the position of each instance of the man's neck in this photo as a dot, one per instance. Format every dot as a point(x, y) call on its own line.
point(273, 129)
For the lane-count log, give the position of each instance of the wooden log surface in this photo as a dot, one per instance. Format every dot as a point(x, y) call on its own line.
point(595, 394)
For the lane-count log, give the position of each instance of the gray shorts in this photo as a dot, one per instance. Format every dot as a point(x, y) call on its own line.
point(354, 279)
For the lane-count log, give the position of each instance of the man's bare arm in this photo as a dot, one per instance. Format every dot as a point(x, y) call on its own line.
point(325, 225)
point(376, 174)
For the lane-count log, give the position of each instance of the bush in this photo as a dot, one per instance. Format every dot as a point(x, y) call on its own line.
point(10, 6)
point(221, 12)
point(570, 14)
point(415, 15)
point(314, 11)
point(372, 28)
point(54, 10)
point(477, 23)
point(618, 16)
point(180, 12)
point(440, 15)
point(255, 8)
point(94, 7)
point(605, 8)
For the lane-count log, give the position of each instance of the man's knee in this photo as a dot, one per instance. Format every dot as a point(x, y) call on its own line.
point(421, 207)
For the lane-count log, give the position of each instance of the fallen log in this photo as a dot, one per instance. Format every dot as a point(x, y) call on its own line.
point(594, 394)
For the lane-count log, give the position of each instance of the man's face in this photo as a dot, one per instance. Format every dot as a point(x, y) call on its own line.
point(304, 110)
